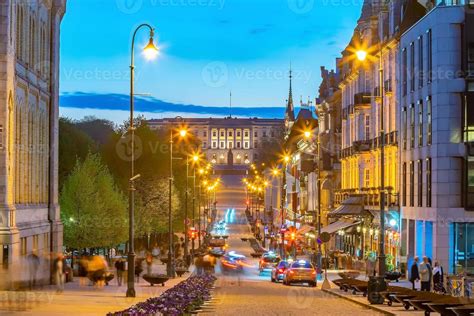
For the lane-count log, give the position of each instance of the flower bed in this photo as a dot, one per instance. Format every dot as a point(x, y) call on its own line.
point(181, 299)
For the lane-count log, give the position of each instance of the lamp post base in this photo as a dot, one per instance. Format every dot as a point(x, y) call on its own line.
point(130, 292)
point(377, 284)
point(326, 285)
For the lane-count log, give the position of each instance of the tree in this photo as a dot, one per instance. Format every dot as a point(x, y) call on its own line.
point(93, 210)
point(74, 145)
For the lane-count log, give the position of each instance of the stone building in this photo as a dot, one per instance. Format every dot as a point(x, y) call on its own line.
point(436, 106)
point(29, 85)
point(229, 140)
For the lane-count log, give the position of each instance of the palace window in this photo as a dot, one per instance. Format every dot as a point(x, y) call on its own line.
point(238, 144)
point(214, 133)
point(404, 127)
point(222, 133)
point(367, 178)
point(255, 134)
point(246, 134)
point(204, 145)
point(404, 71)
point(238, 133)
point(367, 127)
point(222, 144)
point(412, 184)
point(214, 145)
point(428, 182)
point(420, 123)
point(420, 182)
point(429, 119)
point(246, 145)
point(404, 184)
point(412, 126)
point(412, 66)
point(429, 39)
point(420, 62)
point(230, 145)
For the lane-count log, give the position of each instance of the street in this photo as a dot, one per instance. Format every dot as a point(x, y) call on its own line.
point(253, 294)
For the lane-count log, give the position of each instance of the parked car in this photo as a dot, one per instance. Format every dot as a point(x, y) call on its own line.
point(300, 271)
point(268, 261)
point(278, 272)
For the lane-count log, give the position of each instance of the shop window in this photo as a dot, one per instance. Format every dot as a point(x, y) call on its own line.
point(463, 248)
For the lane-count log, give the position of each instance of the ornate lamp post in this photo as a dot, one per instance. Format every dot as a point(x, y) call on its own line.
point(150, 52)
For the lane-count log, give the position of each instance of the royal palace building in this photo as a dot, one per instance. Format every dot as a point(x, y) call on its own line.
point(229, 140)
point(29, 84)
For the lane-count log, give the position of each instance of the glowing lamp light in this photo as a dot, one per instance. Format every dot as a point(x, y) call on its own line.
point(393, 222)
point(361, 55)
point(307, 134)
point(150, 51)
point(183, 133)
point(195, 158)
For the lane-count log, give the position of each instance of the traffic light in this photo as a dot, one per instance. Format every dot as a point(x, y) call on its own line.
point(293, 236)
point(192, 233)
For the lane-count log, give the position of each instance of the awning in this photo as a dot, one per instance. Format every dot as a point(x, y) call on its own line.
point(305, 229)
point(352, 206)
point(336, 226)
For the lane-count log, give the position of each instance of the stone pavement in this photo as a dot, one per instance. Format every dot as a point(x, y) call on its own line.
point(80, 299)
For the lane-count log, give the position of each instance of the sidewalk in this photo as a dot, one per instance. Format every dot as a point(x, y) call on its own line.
point(80, 299)
point(396, 309)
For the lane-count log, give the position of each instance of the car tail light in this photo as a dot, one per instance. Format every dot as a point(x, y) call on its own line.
point(291, 272)
point(281, 270)
point(314, 272)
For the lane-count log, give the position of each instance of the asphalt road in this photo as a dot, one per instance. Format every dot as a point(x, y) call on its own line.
point(249, 293)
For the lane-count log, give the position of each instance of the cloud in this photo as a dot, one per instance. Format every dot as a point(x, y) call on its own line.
point(121, 102)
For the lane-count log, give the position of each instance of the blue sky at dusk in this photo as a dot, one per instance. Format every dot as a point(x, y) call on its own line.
point(207, 48)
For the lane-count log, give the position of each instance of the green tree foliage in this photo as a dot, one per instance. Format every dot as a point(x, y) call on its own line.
point(93, 210)
point(74, 145)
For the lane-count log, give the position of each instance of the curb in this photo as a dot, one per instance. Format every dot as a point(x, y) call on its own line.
point(359, 303)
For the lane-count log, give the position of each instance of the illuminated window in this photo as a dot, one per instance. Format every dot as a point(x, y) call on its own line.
point(420, 123)
point(412, 184)
point(429, 120)
point(367, 177)
point(420, 182)
point(428, 182)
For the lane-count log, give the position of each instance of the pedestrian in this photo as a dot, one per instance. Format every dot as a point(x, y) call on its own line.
point(425, 275)
point(149, 263)
point(438, 278)
point(33, 265)
point(58, 270)
point(120, 267)
point(414, 273)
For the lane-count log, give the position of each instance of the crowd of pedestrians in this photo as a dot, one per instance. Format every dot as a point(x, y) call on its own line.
point(425, 277)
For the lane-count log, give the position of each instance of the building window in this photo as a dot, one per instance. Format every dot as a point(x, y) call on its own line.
point(204, 134)
point(238, 133)
point(23, 246)
point(255, 134)
point(222, 133)
point(461, 255)
point(428, 182)
point(470, 183)
point(367, 127)
point(367, 178)
point(420, 62)
point(420, 123)
point(429, 119)
point(214, 144)
point(404, 71)
point(246, 145)
point(255, 145)
point(420, 182)
point(412, 126)
point(238, 144)
point(204, 145)
point(214, 134)
point(412, 184)
point(404, 184)
point(230, 145)
point(404, 127)
point(412, 66)
point(222, 145)
point(264, 134)
point(230, 133)
point(429, 43)
point(246, 134)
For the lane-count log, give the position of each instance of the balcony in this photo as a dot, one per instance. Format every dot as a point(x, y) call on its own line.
point(371, 196)
point(362, 100)
point(361, 146)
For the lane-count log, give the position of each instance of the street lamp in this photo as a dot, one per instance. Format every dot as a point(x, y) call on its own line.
point(150, 52)
point(362, 56)
point(170, 269)
point(195, 159)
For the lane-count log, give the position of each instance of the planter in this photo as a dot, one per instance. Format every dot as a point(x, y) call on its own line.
point(156, 279)
point(181, 272)
point(100, 276)
point(393, 276)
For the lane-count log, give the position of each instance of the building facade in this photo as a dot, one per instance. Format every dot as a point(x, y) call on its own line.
point(436, 94)
point(29, 88)
point(230, 140)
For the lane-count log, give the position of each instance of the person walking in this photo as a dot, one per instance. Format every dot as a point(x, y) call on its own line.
point(425, 275)
point(58, 271)
point(149, 263)
point(120, 267)
point(414, 273)
point(438, 278)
